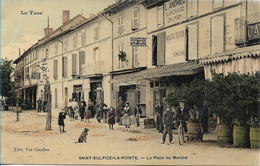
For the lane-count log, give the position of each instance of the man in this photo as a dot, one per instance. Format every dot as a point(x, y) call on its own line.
point(158, 112)
point(39, 102)
point(119, 109)
point(182, 114)
point(168, 119)
point(99, 110)
point(75, 108)
point(138, 113)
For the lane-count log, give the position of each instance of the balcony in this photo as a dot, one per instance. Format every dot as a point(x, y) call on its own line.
point(93, 69)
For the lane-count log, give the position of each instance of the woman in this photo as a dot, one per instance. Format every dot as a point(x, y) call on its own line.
point(111, 118)
point(126, 120)
point(82, 111)
point(87, 114)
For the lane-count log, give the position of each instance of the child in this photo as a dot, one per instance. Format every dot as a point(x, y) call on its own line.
point(87, 114)
point(62, 116)
point(111, 118)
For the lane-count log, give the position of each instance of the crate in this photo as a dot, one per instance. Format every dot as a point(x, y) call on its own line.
point(149, 123)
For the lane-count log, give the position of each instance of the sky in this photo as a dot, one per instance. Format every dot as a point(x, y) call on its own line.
point(23, 30)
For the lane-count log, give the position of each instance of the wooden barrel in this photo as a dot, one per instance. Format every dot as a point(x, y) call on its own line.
point(224, 134)
point(254, 137)
point(193, 131)
point(240, 136)
point(212, 125)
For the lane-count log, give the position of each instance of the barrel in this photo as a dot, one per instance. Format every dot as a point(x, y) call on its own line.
point(254, 137)
point(212, 125)
point(240, 136)
point(193, 131)
point(224, 134)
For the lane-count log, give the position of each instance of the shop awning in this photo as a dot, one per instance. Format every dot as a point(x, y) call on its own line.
point(253, 51)
point(186, 68)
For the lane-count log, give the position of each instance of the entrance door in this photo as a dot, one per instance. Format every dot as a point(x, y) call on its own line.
point(66, 97)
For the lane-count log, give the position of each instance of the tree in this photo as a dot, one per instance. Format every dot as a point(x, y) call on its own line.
point(7, 85)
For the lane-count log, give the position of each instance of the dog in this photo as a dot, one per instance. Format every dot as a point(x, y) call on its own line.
point(83, 136)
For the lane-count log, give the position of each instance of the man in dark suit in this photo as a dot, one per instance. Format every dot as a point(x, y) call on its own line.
point(168, 118)
point(182, 114)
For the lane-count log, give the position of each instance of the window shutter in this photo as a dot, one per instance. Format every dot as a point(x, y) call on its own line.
point(122, 24)
point(136, 56)
point(160, 48)
point(81, 60)
point(160, 16)
point(192, 42)
point(154, 42)
point(217, 45)
point(74, 63)
point(135, 18)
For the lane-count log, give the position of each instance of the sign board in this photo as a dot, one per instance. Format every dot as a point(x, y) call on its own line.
point(253, 31)
point(174, 11)
point(138, 41)
point(36, 76)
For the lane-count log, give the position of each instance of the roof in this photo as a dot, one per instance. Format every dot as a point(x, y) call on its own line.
point(185, 68)
point(253, 51)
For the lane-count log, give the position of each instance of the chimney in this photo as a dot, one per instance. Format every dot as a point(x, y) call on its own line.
point(47, 31)
point(65, 16)
point(19, 52)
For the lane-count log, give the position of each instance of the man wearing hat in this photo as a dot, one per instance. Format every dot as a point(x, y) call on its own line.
point(182, 114)
point(168, 118)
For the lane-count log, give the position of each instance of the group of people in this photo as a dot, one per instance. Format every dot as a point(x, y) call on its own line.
point(166, 115)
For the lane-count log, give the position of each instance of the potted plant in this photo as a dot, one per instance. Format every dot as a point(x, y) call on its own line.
point(122, 56)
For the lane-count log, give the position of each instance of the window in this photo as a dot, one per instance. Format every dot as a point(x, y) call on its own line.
point(136, 62)
point(161, 48)
point(65, 66)
point(154, 50)
point(56, 97)
point(81, 60)
point(36, 54)
point(55, 69)
point(160, 16)
point(120, 25)
point(66, 45)
point(43, 53)
point(135, 18)
point(120, 48)
point(27, 72)
point(96, 33)
point(192, 8)
point(56, 48)
point(97, 59)
point(47, 53)
point(74, 64)
point(75, 42)
point(217, 4)
point(217, 36)
point(192, 42)
point(83, 38)
point(34, 68)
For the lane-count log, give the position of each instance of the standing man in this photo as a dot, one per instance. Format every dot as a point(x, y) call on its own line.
point(138, 113)
point(75, 108)
point(159, 114)
point(119, 109)
point(99, 110)
point(168, 119)
point(39, 102)
point(182, 114)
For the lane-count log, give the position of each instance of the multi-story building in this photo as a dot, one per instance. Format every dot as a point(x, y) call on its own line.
point(144, 49)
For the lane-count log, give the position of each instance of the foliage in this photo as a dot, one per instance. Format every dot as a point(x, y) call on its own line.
point(122, 56)
point(6, 81)
point(194, 95)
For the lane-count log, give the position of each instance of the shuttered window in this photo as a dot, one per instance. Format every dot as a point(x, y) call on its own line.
point(83, 38)
point(136, 62)
point(55, 69)
point(120, 25)
point(192, 8)
point(161, 48)
point(96, 33)
point(154, 50)
point(56, 48)
point(81, 60)
point(217, 40)
point(160, 16)
point(74, 64)
point(65, 66)
point(192, 42)
point(135, 18)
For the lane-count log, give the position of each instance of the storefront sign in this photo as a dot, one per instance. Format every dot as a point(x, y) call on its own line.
point(253, 31)
point(36, 75)
point(138, 41)
point(175, 11)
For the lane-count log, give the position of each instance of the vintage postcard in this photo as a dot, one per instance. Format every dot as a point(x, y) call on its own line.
point(130, 82)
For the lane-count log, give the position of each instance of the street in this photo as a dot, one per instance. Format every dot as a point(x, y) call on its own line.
point(27, 142)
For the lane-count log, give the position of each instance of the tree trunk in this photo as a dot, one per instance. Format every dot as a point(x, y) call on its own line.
point(49, 116)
